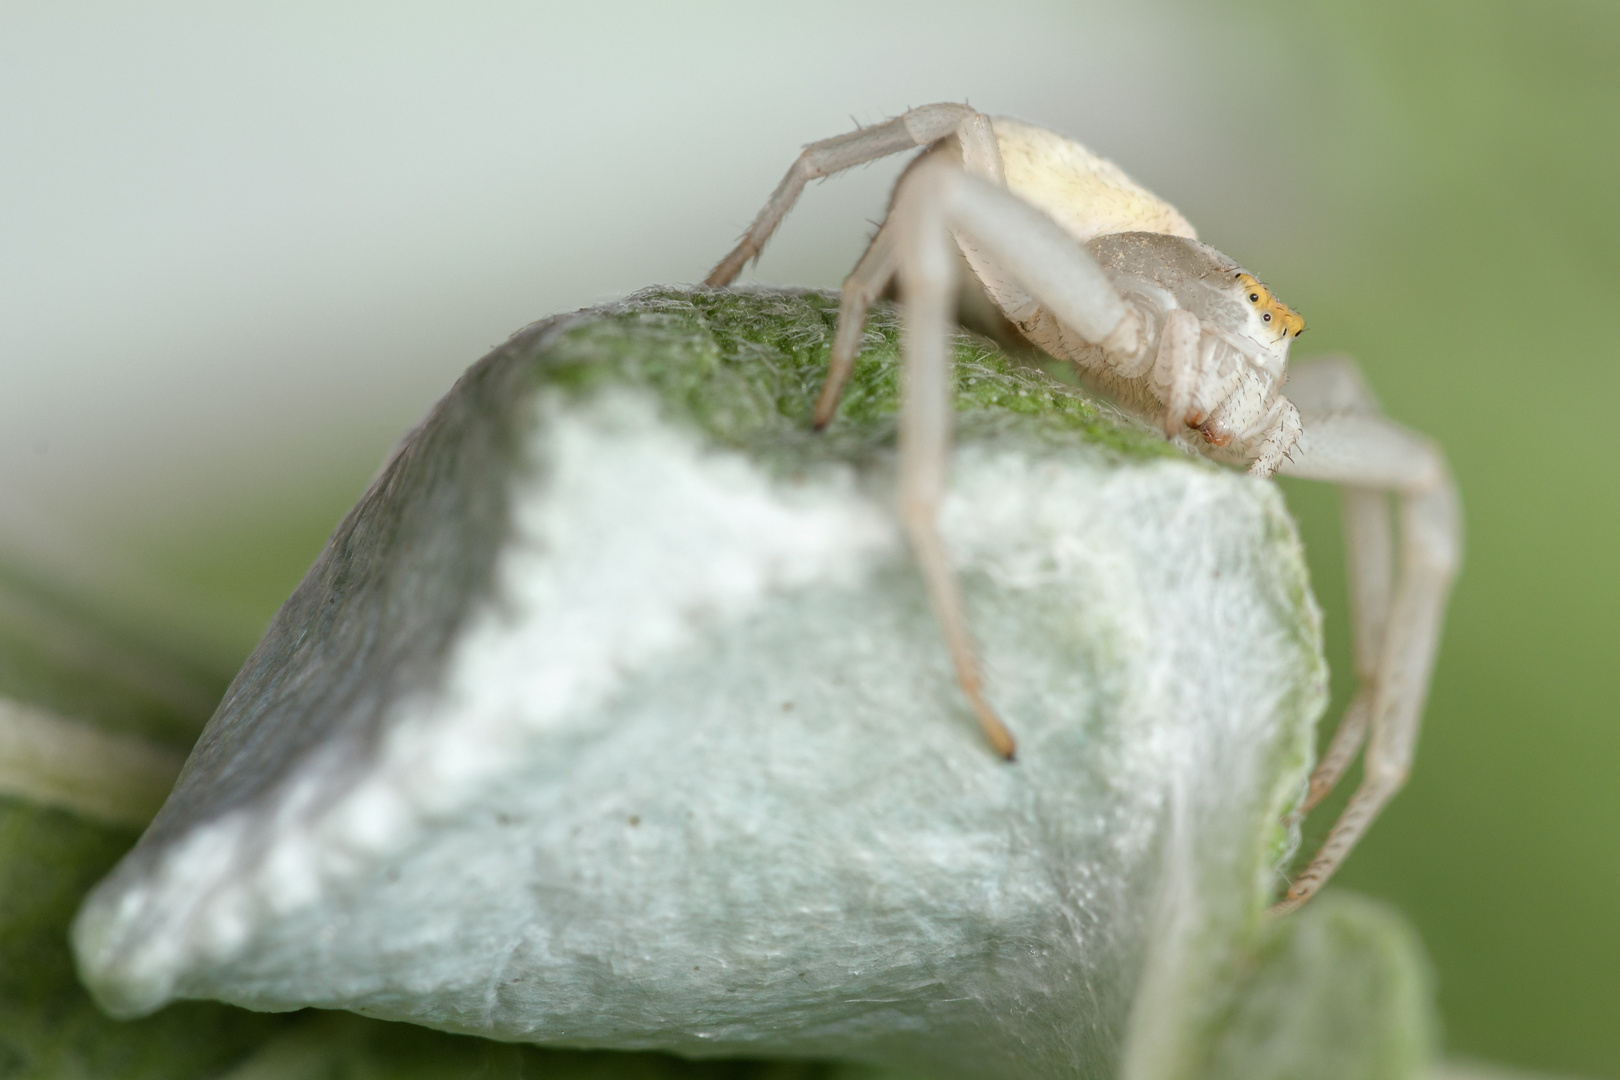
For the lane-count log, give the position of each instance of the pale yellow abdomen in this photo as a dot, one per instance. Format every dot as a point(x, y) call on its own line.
point(1088, 195)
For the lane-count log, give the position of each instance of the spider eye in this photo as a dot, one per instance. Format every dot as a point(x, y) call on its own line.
point(1266, 316)
point(1254, 298)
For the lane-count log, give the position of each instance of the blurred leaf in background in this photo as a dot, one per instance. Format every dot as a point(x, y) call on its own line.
point(58, 837)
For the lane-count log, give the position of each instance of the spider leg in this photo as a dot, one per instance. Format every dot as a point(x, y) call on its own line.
point(1040, 264)
point(1370, 557)
point(928, 282)
point(980, 156)
point(1335, 386)
point(918, 127)
point(1282, 432)
point(864, 284)
point(1177, 369)
point(936, 203)
point(1398, 591)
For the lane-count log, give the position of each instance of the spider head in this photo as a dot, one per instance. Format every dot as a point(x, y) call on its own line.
point(1283, 321)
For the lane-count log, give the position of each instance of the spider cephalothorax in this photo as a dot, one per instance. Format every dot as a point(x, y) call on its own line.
point(1242, 354)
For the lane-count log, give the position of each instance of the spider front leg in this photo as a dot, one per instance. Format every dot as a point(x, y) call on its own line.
point(1398, 592)
point(921, 126)
point(935, 205)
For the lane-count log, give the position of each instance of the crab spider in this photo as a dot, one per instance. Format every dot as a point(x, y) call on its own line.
point(1095, 270)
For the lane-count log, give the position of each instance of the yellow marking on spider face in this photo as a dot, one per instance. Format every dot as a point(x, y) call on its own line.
point(1272, 310)
point(1088, 195)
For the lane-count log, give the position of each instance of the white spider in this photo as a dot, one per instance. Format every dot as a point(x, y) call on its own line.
point(1095, 270)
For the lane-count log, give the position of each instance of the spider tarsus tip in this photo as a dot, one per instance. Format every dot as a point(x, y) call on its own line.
point(1005, 745)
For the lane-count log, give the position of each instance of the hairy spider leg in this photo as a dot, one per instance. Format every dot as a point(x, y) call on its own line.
point(921, 126)
point(1397, 608)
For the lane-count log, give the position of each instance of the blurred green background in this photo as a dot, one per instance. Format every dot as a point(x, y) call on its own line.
point(244, 251)
point(1470, 155)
